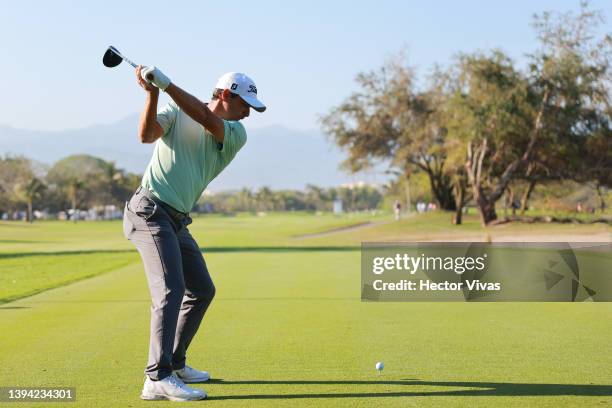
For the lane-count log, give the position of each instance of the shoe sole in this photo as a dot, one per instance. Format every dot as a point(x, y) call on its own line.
point(160, 397)
point(192, 381)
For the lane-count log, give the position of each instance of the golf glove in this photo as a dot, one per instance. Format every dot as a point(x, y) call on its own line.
point(158, 78)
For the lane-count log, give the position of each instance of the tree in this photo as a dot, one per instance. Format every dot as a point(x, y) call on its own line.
point(388, 120)
point(246, 200)
point(264, 198)
point(83, 180)
point(533, 126)
point(316, 198)
point(492, 111)
point(29, 191)
point(459, 178)
point(598, 160)
point(573, 64)
point(19, 185)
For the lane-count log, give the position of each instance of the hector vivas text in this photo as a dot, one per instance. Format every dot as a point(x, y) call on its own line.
point(413, 264)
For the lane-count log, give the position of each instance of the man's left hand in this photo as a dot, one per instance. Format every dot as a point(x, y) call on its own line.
point(153, 75)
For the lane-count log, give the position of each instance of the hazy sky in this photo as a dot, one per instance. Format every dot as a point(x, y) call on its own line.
point(303, 55)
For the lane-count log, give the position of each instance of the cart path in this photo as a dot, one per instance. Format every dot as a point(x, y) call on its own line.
point(361, 225)
point(358, 226)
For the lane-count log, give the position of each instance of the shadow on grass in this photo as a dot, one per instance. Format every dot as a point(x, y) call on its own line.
point(486, 389)
point(8, 255)
point(14, 307)
point(242, 299)
point(282, 249)
point(209, 250)
point(20, 241)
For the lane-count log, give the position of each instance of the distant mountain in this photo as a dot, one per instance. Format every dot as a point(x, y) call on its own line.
point(274, 156)
point(116, 141)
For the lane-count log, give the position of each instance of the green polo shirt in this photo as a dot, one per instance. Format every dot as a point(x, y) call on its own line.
point(187, 157)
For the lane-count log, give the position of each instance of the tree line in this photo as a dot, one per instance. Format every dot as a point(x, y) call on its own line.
point(482, 128)
point(79, 181)
point(84, 181)
point(312, 198)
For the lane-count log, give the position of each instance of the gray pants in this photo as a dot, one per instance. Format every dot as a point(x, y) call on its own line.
point(180, 285)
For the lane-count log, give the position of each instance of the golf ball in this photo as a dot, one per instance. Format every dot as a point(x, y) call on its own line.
point(380, 365)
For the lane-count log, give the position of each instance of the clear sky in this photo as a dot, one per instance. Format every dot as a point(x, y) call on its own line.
point(303, 55)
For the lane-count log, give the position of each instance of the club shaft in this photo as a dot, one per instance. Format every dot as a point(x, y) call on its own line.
point(129, 62)
point(124, 57)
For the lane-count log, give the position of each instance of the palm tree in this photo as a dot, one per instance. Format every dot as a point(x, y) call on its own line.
point(264, 199)
point(32, 191)
point(245, 200)
point(74, 185)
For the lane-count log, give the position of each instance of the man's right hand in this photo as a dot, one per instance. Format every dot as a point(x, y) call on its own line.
point(147, 86)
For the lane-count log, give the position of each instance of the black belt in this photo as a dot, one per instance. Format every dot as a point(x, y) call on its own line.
point(172, 212)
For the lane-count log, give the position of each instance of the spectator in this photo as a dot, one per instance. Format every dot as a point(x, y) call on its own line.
point(397, 208)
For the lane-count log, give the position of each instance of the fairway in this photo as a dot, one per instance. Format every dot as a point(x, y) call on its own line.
point(287, 327)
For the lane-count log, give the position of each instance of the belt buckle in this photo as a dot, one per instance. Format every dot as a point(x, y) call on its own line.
point(177, 215)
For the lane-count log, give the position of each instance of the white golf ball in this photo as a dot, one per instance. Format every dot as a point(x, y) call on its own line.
point(380, 365)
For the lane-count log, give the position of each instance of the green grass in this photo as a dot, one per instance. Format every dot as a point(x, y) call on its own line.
point(287, 327)
point(212, 230)
point(72, 251)
point(26, 275)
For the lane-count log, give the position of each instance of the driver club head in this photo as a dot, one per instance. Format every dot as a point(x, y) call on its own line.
point(112, 57)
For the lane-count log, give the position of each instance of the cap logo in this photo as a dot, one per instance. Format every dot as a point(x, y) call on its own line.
point(234, 86)
point(253, 89)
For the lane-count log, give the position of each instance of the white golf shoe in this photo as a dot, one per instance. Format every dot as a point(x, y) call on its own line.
point(191, 375)
point(170, 388)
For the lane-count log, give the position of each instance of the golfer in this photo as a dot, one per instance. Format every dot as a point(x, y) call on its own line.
point(194, 142)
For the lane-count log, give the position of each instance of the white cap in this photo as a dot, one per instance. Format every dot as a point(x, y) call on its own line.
point(242, 85)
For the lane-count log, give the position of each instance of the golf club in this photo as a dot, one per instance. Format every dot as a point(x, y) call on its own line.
point(112, 57)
